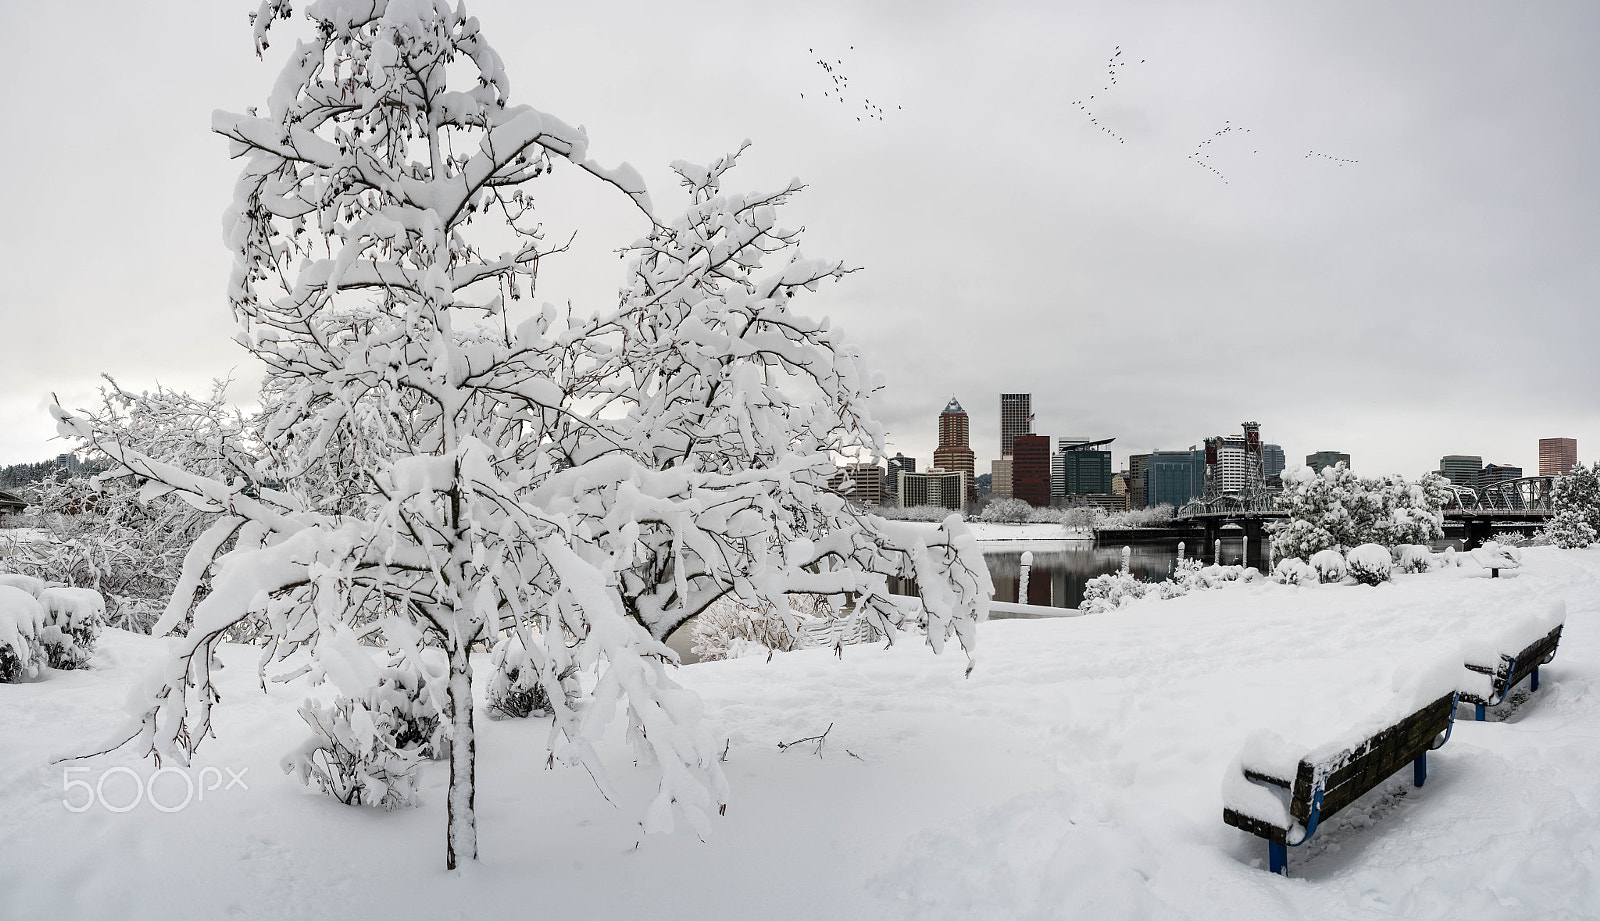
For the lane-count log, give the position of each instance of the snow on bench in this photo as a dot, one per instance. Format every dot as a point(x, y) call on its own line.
point(1499, 663)
point(1495, 557)
point(1281, 792)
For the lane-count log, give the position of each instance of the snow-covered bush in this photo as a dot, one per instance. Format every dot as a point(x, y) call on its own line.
point(351, 756)
point(1330, 565)
point(1334, 509)
point(1569, 530)
point(73, 619)
point(1188, 575)
point(1292, 570)
point(364, 751)
point(21, 621)
point(1414, 558)
point(729, 630)
point(515, 690)
point(1369, 564)
point(1112, 590)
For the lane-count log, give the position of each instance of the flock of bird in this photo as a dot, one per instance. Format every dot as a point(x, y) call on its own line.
point(841, 84)
point(1201, 155)
point(1337, 161)
point(1111, 72)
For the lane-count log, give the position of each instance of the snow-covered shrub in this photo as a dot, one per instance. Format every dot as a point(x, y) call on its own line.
point(21, 621)
point(1330, 565)
point(729, 630)
point(352, 756)
point(1292, 570)
point(29, 584)
point(1188, 575)
point(365, 751)
point(73, 618)
point(1414, 558)
point(1369, 564)
point(1569, 530)
point(1110, 591)
point(515, 690)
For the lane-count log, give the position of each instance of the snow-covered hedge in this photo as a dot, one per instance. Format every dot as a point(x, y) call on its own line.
point(22, 619)
point(365, 751)
point(1330, 565)
point(1369, 564)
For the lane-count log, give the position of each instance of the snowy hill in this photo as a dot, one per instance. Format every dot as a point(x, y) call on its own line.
point(1075, 774)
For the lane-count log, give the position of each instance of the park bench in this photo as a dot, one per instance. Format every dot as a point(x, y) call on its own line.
point(1495, 557)
point(1275, 792)
point(1535, 636)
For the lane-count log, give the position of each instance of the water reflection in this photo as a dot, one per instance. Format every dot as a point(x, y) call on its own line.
point(1062, 568)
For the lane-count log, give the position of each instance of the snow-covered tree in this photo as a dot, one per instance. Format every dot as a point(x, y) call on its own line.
point(1337, 510)
point(451, 465)
point(113, 533)
point(1577, 496)
point(1569, 530)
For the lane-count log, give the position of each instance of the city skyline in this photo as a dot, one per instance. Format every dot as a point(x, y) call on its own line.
point(1321, 217)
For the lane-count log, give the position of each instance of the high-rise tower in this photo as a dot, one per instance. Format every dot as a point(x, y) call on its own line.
point(953, 452)
point(1016, 418)
point(1557, 456)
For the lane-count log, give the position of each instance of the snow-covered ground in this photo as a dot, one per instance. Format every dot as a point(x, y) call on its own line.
point(1075, 774)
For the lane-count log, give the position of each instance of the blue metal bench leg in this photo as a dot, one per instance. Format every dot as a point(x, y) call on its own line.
point(1534, 684)
point(1479, 708)
point(1419, 769)
point(1278, 858)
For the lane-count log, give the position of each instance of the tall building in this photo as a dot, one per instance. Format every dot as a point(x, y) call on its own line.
point(944, 488)
point(953, 452)
point(861, 482)
point(1016, 418)
point(1461, 469)
point(1324, 459)
point(1272, 460)
point(1030, 470)
point(1235, 464)
point(1498, 473)
point(1081, 468)
point(1557, 456)
point(891, 477)
point(1000, 478)
point(1174, 477)
point(1138, 490)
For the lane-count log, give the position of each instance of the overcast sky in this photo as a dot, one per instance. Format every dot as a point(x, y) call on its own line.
point(1392, 250)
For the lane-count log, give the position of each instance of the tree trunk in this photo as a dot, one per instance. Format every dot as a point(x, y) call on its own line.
point(461, 832)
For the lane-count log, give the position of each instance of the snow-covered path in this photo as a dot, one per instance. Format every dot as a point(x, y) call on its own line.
point(1075, 774)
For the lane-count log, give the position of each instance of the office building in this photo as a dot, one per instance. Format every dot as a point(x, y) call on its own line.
point(1174, 477)
point(1137, 491)
point(1081, 469)
point(860, 482)
point(1030, 470)
point(954, 452)
point(1000, 478)
point(1461, 469)
point(944, 488)
point(1016, 418)
point(1498, 473)
point(891, 477)
point(1272, 461)
point(1323, 459)
point(1557, 456)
